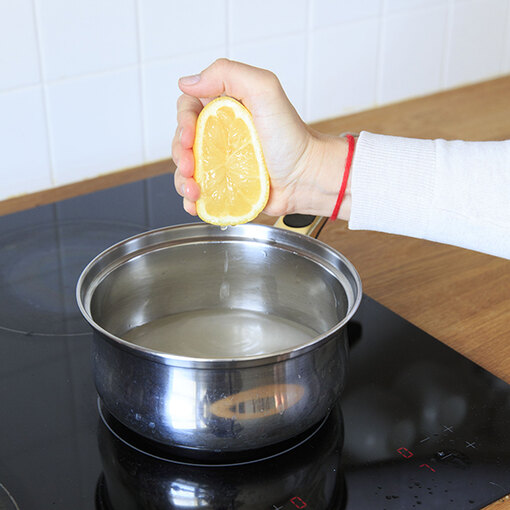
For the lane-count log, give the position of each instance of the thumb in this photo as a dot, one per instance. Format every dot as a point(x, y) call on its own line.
point(241, 81)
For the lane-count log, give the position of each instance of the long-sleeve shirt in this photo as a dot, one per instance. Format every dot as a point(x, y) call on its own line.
point(453, 192)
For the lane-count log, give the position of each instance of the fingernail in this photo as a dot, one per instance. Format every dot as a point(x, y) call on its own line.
point(190, 80)
point(180, 135)
point(183, 189)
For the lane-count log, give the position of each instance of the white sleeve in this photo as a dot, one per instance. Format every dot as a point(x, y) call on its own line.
point(452, 192)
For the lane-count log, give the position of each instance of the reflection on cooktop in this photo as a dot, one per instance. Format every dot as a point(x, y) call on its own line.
point(6, 500)
point(39, 267)
point(424, 427)
point(204, 458)
point(132, 479)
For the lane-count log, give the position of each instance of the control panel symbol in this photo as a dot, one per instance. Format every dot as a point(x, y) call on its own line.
point(443, 455)
point(298, 502)
point(405, 452)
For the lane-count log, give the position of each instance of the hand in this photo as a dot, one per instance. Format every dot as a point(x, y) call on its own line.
point(305, 166)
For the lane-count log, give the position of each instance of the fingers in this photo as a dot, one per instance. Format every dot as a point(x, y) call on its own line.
point(186, 186)
point(258, 89)
point(183, 157)
point(235, 79)
point(189, 207)
point(188, 109)
point(188, 189)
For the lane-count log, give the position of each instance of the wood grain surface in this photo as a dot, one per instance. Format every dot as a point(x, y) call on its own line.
point(458, 296)
point(500, 504)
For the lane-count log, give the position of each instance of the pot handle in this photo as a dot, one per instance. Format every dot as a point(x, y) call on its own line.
point(306, 224)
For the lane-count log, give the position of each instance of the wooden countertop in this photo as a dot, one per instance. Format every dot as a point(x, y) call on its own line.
point(458, 296)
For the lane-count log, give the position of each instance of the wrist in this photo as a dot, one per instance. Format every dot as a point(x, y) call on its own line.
point(321, 177)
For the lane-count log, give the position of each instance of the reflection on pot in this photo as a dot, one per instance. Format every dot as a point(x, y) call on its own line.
point(306, 475)
point(261, 401)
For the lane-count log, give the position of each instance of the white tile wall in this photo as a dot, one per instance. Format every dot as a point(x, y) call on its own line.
point(24, 162)
point(19, 63)
point(160, 98)
point(249, 20)
point(274, 54)
point(343, 80)
point(414, 68)
point(169, 28)
point(506, 54)
point(86, 37)
point(411, 5)
point(95, 124)
point(478, 37)
point(326, 13)
point(90, 87)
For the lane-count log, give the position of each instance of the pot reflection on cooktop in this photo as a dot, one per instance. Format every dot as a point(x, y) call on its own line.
point(39, 267)
point(6, 500)
point(305, 476)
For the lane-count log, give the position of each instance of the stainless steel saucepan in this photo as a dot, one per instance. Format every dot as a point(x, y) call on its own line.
point(219, 340)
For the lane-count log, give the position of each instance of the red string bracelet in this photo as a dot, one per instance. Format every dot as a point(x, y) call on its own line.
point(345, 178)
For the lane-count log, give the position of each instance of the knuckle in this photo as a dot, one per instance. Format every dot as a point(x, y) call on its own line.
point(175, 151)
point(181, 102)
point(271, 79)
point(222, 62)
point(178, 184)
point(185, 104)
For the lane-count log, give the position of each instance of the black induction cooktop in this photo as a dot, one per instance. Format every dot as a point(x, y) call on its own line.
point(418, 425)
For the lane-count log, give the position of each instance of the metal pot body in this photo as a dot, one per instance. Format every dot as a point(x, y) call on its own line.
point(236, 395)
point(220, 409)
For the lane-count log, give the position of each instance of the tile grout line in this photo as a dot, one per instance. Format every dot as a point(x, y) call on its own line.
point(380, 53)
point(141, 80)
point(129, 67)
point(306, 114)
point(228, 11)
point(447, 47)
point(21, 88)
point(44, 90)
point(273, 37)
point(75, 77)
point(505, 57)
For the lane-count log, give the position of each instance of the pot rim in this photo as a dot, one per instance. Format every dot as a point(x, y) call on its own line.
point(213, 232)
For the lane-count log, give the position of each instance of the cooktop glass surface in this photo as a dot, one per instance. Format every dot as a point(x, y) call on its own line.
point(418, 425)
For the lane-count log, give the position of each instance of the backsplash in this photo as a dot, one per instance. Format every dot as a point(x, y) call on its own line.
point(90, 87)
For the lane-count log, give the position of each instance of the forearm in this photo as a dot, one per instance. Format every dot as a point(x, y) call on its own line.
point(321, 177)
point(451, 192)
